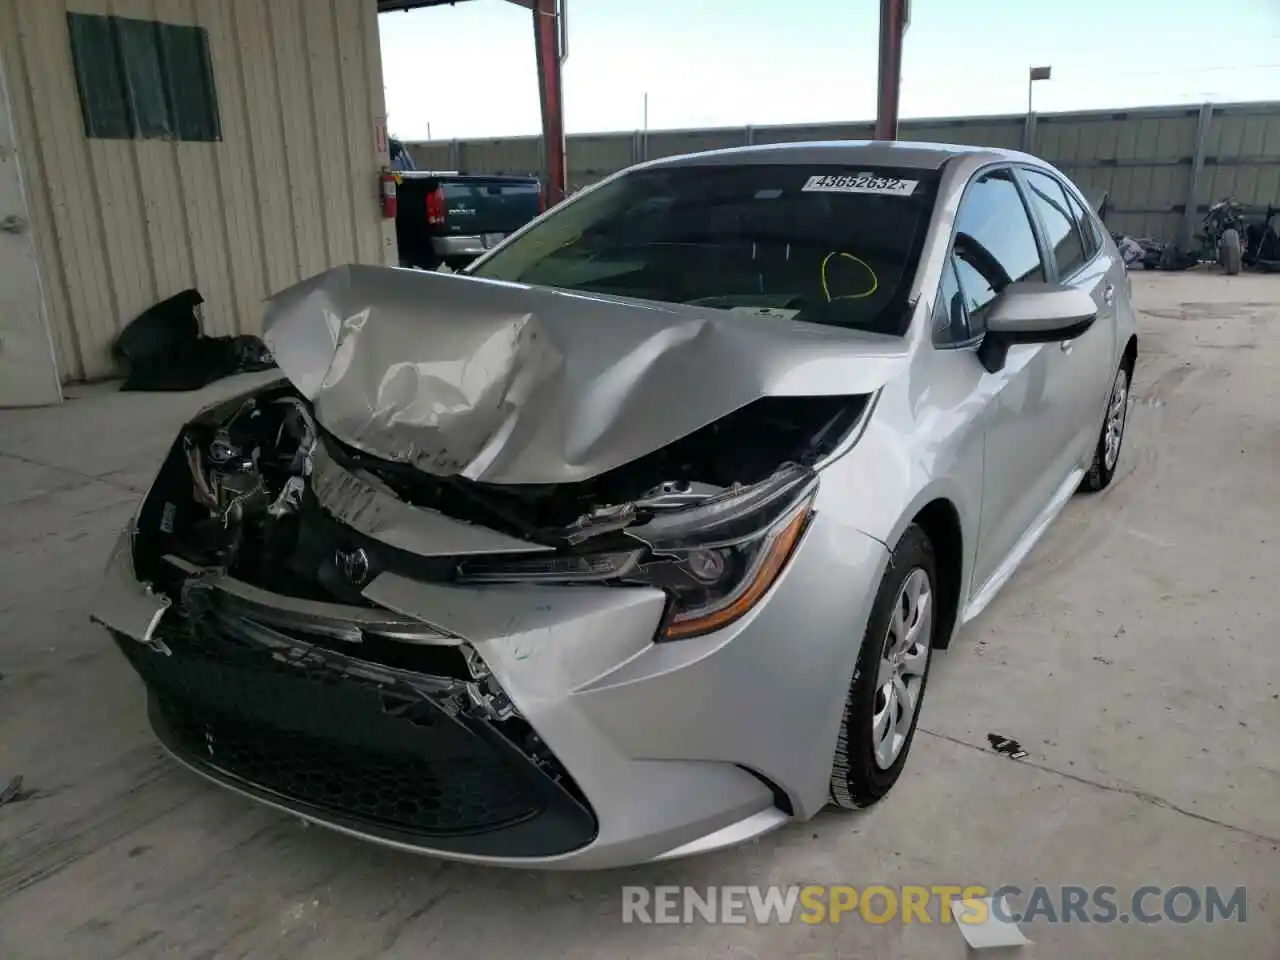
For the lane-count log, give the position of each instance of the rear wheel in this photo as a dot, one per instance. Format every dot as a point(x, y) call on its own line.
point(1107, 454)
point(1231, 252)
point(883, 704)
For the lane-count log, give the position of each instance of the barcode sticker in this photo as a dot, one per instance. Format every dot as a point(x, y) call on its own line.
point(862, 183)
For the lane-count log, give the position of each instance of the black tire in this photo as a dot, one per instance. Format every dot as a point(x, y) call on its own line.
point(1102, 470)
point(858, 779)
point(1232, 255)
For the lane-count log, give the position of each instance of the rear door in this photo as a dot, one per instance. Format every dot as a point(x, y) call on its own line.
point(495, 207)
point(1073, 256)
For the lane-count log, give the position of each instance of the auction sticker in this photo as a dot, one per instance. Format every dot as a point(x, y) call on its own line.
point(860, 183)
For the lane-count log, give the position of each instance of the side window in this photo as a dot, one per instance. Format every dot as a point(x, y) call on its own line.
point(1065, 240)
point(994, 245)
point(1088, 226)
point(950, 324)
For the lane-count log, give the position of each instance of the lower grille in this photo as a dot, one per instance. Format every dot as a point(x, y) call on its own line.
point(330, 737)
point(395, 789)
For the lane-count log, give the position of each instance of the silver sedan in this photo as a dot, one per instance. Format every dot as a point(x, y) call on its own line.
point(638, 538)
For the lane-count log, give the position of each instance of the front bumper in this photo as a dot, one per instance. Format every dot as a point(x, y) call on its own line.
point(632, 751)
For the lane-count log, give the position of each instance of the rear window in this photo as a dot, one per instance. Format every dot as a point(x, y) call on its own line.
point(400, 158)
point(467, 191)
point(820, 244)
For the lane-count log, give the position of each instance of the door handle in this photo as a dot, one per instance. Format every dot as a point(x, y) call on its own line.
point(1109, 295)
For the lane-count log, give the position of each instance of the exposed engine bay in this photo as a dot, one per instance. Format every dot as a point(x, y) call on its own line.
point(239, 495)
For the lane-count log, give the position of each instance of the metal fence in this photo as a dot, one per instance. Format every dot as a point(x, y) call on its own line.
point(1161, 166)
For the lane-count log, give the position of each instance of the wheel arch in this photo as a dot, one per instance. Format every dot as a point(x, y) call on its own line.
point(1129, 358)
point(940, 520)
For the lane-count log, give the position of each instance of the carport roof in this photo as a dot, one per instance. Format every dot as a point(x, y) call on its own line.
point(387, 6)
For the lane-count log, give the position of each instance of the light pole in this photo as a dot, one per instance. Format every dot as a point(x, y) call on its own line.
point(644, 137)
point(1028, 135)
point(1036, 73)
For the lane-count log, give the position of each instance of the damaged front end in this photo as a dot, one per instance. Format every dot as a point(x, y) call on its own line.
point(257, 491)
point(270, 669)
point(256, 592)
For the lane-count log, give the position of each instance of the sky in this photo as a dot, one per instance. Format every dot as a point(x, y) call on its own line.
point(468, 70)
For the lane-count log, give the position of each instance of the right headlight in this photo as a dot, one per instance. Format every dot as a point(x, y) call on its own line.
point(714, 585)
point(715, 560)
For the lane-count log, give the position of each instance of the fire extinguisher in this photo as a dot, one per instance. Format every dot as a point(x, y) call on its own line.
point(387, 181)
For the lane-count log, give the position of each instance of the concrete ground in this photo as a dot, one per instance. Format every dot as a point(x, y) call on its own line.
point(1134, 657)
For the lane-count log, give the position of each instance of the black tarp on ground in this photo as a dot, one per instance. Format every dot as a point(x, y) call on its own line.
point(163, 349)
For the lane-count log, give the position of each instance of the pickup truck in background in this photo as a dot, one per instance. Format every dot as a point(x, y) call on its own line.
point(451, 218)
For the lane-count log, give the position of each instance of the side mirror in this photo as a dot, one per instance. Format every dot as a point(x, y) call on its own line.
point(1034, 312)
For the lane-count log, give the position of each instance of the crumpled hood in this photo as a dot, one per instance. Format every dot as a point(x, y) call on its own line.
point(506, 383)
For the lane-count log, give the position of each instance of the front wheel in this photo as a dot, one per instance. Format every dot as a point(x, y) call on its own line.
point(883, 704)
point(1107, 453)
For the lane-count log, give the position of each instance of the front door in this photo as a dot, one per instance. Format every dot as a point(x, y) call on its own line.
point(1027, 425)
point(28, 371)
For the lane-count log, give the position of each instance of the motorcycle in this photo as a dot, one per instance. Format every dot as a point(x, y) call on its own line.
point(1224, 235)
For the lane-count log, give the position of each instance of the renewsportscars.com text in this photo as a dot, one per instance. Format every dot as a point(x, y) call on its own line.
point(878, 904)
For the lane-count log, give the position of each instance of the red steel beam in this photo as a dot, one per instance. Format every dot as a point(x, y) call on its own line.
point(892, 24)
point(546, 32)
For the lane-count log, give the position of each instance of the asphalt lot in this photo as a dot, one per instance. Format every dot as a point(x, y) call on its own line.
point(1134, 657)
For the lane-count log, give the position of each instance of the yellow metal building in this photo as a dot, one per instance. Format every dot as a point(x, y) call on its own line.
point(140, 157)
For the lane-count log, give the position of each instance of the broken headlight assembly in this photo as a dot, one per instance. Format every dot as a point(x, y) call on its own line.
point(715, 560)
point(235, 465)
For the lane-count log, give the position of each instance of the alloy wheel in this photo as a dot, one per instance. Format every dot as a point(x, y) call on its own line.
point(903, 661)
point(1116, 413)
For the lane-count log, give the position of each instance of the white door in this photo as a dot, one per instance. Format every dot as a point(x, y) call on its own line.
point(28, 370)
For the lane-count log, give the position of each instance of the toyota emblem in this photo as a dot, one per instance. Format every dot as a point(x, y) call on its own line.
point(353, 564)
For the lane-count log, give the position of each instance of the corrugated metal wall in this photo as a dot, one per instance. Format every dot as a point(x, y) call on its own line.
point(290, 190)
point(1144, 158)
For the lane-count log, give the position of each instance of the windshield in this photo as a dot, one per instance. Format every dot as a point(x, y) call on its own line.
point(826, 245)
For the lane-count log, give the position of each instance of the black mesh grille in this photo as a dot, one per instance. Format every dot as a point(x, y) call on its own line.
point(398, 790)
point(333, 740)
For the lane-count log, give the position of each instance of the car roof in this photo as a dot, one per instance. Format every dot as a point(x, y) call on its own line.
point(873, 153)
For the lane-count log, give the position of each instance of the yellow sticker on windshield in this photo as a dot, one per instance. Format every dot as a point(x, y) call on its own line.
point(861, 183)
